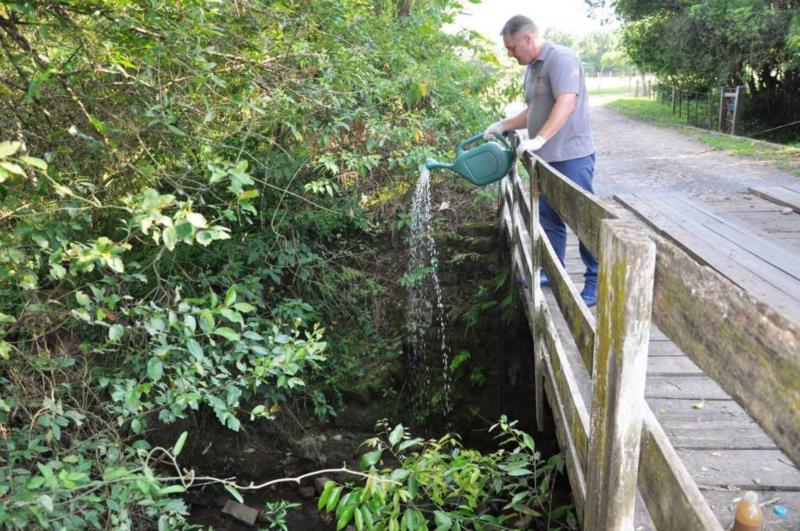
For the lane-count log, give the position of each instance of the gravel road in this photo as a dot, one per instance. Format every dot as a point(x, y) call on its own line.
point(634, 156)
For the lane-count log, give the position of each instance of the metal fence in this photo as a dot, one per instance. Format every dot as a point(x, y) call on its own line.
point(716, 109)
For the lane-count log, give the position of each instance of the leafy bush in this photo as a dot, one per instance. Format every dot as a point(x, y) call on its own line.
point(182, 206)
point(440, 484)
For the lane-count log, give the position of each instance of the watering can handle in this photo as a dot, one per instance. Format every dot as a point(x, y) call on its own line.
point(461, 147)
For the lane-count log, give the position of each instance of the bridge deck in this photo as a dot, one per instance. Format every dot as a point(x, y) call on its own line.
point(723, 449)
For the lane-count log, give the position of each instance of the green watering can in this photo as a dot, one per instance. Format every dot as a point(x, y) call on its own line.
point(481, 165)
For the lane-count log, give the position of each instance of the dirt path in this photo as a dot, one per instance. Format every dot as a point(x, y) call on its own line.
point(634, 156)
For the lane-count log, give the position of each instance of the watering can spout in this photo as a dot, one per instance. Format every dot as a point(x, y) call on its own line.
point(432, 164)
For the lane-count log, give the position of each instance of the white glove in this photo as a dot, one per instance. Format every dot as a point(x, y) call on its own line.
point(495, 128)
point(533, 144)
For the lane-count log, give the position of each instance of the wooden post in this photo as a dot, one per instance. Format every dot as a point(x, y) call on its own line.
point(536, 294)
point(722, 109)
point(738, 101)
point(673, 100)
point(627, 266)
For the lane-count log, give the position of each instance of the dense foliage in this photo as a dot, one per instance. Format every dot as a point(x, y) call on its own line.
point(708, 43)
point(439, 484)
point(184, 189)
point(601, 52)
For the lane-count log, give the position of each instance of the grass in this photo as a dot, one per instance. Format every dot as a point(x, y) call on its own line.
point(785, 156)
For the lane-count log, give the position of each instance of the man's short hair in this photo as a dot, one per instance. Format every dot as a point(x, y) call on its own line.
point(516, 23)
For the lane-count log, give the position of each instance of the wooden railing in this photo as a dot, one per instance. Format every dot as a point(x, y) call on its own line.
point(614, 443)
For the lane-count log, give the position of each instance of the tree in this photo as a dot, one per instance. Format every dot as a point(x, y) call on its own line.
point(711, 42)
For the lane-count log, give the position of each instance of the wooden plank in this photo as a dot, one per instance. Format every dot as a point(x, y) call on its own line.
point(522, 242)
point(780, 195)
point(663, 347)
point(744, 469)
point(575, 412)
point(581, 321)
point(656, 334)
point(724, 501)
point(579, 209)
point(672, 366)
point(565, 441)
point(522, 200)
point(536, 297)
point(765, 260)
point(759, 247)
point(672, 498)
point(689, 387)
point(708, 424)
point(627, 265)
point(700, 250)
point(747, 347)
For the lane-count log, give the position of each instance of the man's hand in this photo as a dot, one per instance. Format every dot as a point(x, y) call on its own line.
point(533, 144)
point(495, 128)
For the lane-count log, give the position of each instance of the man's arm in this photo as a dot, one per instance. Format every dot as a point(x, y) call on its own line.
point(562, 109)
point(520, 121)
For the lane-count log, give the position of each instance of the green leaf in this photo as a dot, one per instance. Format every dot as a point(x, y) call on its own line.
point(442, 520)
point(204, 237)
point(227, 333)
point(115, 332)
point(244, 307)
point(326, 493)
point(519, 472)
point(116, 472)
point(82, 298)
point(45, 470)
point(13, 168)
point(345, 518)
point(235, 493)
point(409, 443)
point(9, 148)
point(46, 502)
point(172, 489)
point(5, 349)
point(359, 520)
point(33, 161)
point(230, 296)
point(206, 320)
point(194, 348)
point(233, 423)
point(176, 450)
point(396, 435)
point(368, 520)
point(155, 368)
point(411, 519)
point(197, 220)
point(170, 237)
point(232, 316)
point(333, 499)
point(370, 458)
point(527, 440)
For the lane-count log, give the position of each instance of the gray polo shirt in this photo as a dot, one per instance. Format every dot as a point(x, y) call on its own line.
point(557, 71)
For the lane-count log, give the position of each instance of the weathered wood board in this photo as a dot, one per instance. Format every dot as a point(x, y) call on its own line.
point(786, 195)
point(759, 267)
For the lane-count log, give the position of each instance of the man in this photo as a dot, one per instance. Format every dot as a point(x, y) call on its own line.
point(557, 119)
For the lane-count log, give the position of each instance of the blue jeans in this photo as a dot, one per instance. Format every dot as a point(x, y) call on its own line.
point(580, 171)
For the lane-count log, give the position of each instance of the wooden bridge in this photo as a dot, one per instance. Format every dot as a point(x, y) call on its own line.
point(683, 390)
